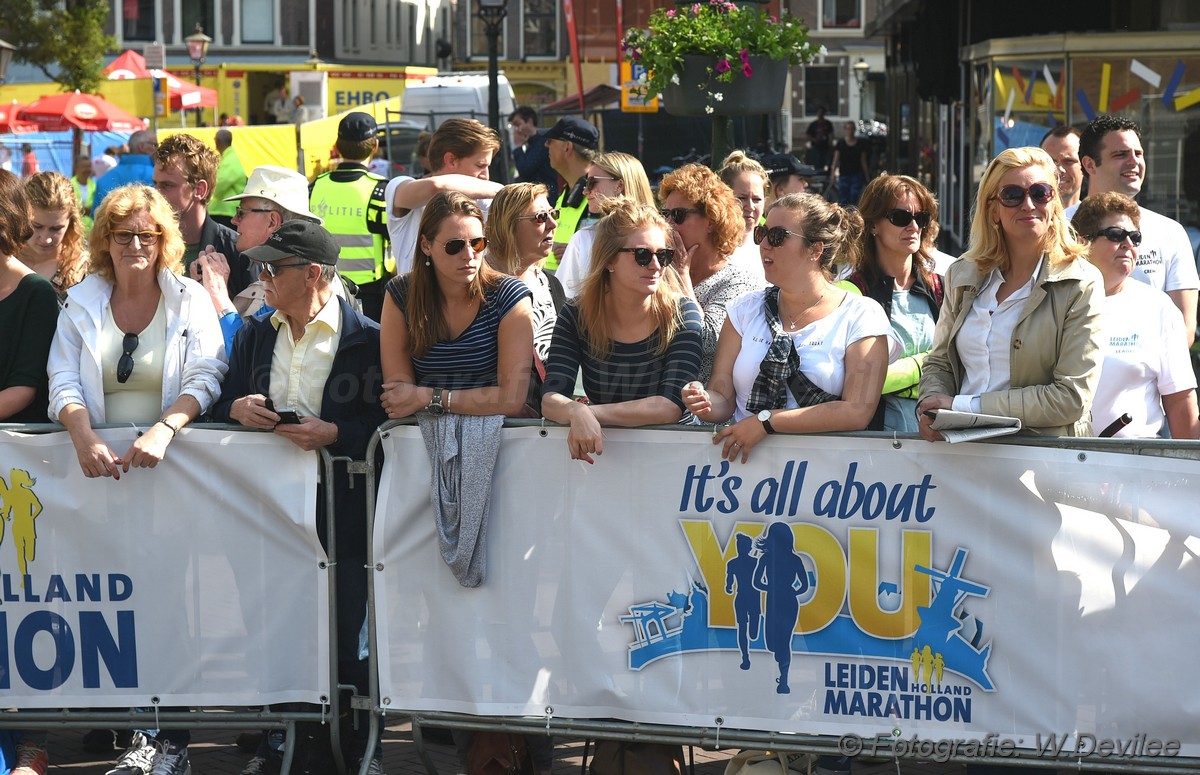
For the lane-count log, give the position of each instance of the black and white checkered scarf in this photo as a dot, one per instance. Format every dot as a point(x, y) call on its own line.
point(780, 369)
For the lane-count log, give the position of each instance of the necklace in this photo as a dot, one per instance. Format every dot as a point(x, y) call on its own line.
point(792, 321)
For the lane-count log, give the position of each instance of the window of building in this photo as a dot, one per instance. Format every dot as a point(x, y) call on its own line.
point(821, 89)
point(258, 21)
point(138, 20)
point(200, 12)
point(478, 43)
point(841, 14)
point(539, 28)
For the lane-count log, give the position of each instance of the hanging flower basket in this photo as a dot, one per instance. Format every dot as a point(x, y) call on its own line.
point(716, 58)
point(699, 93)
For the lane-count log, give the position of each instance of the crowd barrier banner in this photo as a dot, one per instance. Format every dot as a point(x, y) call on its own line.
point(1002, 596)
point(199, 582)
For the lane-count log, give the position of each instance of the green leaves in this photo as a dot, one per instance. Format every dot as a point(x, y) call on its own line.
point(64, 38)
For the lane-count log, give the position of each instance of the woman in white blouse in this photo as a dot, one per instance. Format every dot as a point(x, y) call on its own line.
point(1019, 333)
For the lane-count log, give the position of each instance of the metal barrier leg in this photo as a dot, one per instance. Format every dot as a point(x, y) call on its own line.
point(289, 748)
point(419, 742)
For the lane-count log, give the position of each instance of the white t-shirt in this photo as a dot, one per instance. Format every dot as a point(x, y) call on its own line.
point(749, 258)
point(576, 261)
point(821, 345)
point(1165, 258)
point(1145, 358)
point(403, 230)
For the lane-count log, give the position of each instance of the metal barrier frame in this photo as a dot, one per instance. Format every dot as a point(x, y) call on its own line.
point(219, 717)
point(717, 737)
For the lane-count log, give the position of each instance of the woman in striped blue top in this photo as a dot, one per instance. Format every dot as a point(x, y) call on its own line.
point(456, 335)
point(631, 330)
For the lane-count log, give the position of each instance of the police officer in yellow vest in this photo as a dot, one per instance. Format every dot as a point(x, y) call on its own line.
point(572, 144)
point(350, 200)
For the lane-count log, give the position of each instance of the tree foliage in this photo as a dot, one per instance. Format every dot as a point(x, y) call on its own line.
point(65, 39)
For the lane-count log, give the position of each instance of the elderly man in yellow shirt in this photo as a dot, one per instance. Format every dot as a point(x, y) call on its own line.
point(310, 373)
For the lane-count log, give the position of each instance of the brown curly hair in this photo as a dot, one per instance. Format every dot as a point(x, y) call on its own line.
point(52, 191)
point(196, 160)
point(706, 191)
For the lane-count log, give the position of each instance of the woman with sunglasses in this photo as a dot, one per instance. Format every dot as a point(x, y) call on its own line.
point(635, 337)
point(612, 174)
point(895, 268)
point(1019, 331)
point(136, 342)
point(1147, 371)
point(56, 251)
point(710, 224)
point(456, 335)
point(748, 181)
point(803, 356)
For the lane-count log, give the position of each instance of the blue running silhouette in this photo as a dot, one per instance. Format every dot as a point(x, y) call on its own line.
point(747, 603)
point(781, 574)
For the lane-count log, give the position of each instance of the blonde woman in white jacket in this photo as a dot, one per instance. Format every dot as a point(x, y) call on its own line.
point(136, 342)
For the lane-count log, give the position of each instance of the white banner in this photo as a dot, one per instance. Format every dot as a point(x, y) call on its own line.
point(928, 591)
point(196, 583)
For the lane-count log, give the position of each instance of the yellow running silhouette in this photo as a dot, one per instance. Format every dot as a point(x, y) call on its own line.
point(20, 506)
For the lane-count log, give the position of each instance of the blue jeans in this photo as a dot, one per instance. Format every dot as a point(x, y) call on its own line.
point(850, 188)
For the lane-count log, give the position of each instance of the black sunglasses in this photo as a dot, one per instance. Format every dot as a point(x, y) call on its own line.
point(901, 218)
point(125, 365)
point(542, 217)
point(679, 214)
point(775, 236)
point(643, 256)
point(1117, 234)
point(1014, 196)
point(272, 268)
point(590, 181)
point(478, 244)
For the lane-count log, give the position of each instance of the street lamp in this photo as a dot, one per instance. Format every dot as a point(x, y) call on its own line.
point(492, 13)
point(197, 46)
point(6, 54)
point(861, 71)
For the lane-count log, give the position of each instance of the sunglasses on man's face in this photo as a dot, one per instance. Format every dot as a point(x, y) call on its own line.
point(1014, 196)
point(1117, 234)
point(902, 218)
point(272, 267)
point(643, 256)
point(454, 247)
point(678, 215)
point(125, 364)
point(542, 217)
point(775, 236)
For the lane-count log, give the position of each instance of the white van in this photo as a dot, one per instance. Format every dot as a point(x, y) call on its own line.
point(454, 95)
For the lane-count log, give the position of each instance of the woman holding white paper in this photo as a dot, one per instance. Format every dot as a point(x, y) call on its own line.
point(1019, 331)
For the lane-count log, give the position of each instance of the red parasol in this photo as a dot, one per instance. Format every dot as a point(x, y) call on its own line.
point(9, 123)
point(88, 112)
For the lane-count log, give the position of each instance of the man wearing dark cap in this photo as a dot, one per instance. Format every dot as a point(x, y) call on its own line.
point(350, 200)
point(572, 144)
point(787, 174)
point(310, 373)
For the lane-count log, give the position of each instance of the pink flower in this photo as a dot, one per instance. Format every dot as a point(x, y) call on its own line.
point(729, 7)
point(671, 14)
point(723, 66)
point(696, 9)
point(747, 70)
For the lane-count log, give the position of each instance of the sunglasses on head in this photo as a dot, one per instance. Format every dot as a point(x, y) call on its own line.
point(775, 236)
point(146, 238)
point(678, 215)
point(643, 256)
point(542, 217)
point(478, 244)
point(1117, 234)
point(590, 181)
point(125, 364)
point(902, 218)
point(1014, 196)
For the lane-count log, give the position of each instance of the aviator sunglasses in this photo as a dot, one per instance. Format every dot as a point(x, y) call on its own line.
point(1117, 234)
point(902, 218)
point(678, 215)
point(1014, 196)
point(478, 244)
point(643, 256)
point(775, 236)
point(542, 217)
point(125, 364)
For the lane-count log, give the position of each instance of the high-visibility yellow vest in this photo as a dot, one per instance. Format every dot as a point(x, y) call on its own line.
point(348, 208)
point(568, 222)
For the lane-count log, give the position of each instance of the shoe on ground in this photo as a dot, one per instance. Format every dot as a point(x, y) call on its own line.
point(31, 759)
point(261, 765)
point(172, 760)
point(374, 768)
point(139, 758)
point(99, 741)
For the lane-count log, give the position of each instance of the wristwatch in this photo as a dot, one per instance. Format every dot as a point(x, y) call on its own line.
point(435, 406)
point(764, 417)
